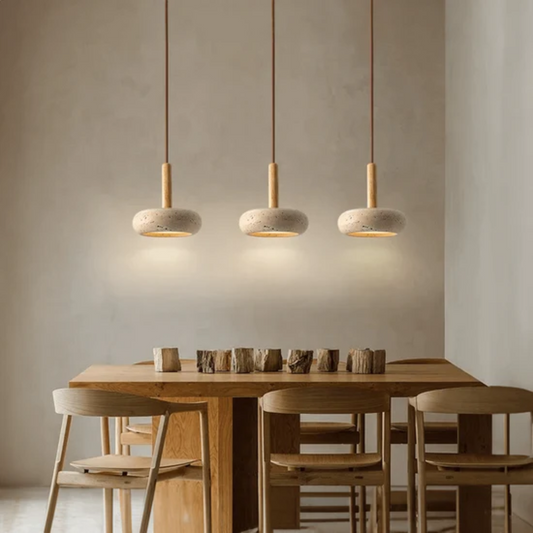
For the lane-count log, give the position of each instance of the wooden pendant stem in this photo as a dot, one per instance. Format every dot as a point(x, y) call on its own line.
point(372, 185)
point(273, 185)
point(167, 185)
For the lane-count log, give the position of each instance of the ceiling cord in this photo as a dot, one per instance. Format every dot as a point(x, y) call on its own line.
point(273, 81)
point(166, 83)
point(371, 81)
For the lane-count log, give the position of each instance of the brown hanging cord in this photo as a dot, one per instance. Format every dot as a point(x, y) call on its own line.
point(166, 170)
point(372, 81)
point(273, 81)
point(371, 179)
point(166, 81)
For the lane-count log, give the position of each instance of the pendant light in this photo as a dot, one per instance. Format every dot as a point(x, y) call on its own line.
point(372, 221)
point(273, 221)
point(167, 221)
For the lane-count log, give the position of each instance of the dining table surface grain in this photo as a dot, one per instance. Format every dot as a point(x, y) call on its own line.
point(232, 403)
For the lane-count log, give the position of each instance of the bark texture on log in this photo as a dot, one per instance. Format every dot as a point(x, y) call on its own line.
point(299, 361)
point(222, 360)
point(327, 360)
point(349, 361)
point(242, 361)
point(362, 361)
point(205, 361)
point(167, 360)
point(268, 360)
point(379, 362)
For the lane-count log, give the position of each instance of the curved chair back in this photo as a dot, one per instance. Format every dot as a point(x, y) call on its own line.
point(476, 401)
point(94, 402)
point(324, 400)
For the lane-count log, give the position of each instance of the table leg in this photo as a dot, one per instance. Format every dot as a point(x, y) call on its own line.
point(234, 470)
point(178, 504)
point(285, 501)
point(474, 503)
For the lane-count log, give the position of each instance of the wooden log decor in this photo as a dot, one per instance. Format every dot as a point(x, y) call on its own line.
point(268, 360)
point(362, 361)
point(167, 360)
point(327, 360)
point(205, 361)
point(299, 361)
point(366, 361)
point(222, 360)
point(349, 361)
point(242, 361)
point(379, 362)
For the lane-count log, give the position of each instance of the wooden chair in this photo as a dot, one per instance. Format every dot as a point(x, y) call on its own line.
point(125, 472)
point(353, 469)
point(435, 433)
point(323, 433)
point(458, 469)
point(328, 433)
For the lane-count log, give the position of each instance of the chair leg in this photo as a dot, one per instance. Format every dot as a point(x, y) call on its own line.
point(124, 495)
point(385, 508)
point(60, 459)
point(508, 510)
point(267, 523)
point(154, 472)
point(411, 469)
point(376, 510)
point(353, 511)
point(260, 526)
point(108, 510)
point(206, 470)
point(108, 493)
point(362, 490)
point(422, 516)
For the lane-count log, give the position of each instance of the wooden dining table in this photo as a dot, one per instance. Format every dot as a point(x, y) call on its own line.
point(232, 400)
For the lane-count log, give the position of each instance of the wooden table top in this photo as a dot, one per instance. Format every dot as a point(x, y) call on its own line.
point(399, 380)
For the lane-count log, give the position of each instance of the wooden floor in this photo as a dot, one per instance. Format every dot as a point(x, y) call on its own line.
point(80, 511)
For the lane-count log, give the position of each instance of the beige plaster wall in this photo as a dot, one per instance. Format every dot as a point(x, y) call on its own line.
point(81, 143)
point(489, 187)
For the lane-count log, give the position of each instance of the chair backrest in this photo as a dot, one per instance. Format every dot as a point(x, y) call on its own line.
point(325, 400)
point(476, 401)
point(423, 361)
point(94, 402)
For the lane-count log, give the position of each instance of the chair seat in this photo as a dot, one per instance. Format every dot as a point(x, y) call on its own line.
point(428, 426)
point(143, 429)
point(320, 428)
point(326, 461)
point(131, 464)
point(477, 461)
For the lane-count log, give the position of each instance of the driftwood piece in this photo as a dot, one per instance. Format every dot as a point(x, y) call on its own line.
point(327, 360)
point(242, 361)
point(222, 360)
point(299, 361)
point(205, 361)
point(362, 361)
point(167, 360)
point(379, 362)
point(349, 361)
point(268, 360)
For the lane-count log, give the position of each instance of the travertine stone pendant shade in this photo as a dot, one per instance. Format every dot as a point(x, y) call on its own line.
point(372, 221)
point(167, 221)
point(273, 221)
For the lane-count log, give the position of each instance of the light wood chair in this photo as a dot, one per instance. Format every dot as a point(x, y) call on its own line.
point(125, 472)
point(353, 469)
point(457, 469)
point(322, 433)
point(403, 433)
point(334, 433)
